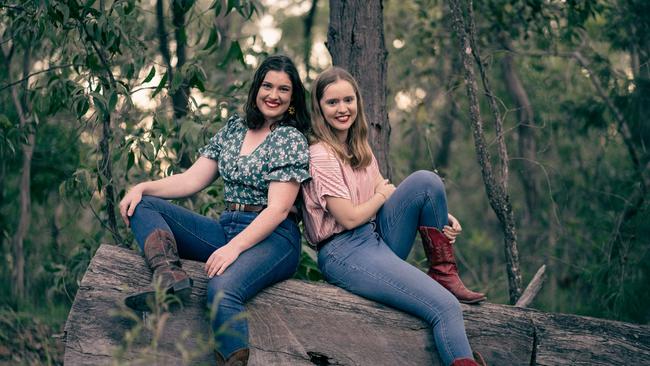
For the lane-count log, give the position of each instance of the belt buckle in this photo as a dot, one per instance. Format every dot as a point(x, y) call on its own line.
point(239, 207)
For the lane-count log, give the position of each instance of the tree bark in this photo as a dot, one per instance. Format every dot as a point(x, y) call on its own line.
point(106, 170)
point(18, 241)
point(307, 323)
point(355, 39)
point(180, 97)
point(526, 132)
point(105, 165)
point(452, 69)
point(496, 191)
point(533, 288)
point(308, 26)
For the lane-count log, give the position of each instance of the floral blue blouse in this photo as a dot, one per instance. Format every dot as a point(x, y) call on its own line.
point(282, 156)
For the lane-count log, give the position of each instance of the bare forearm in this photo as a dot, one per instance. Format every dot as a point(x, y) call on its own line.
point(353, 216)
point(174, 186)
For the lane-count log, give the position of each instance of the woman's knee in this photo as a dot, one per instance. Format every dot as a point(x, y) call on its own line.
point(149, 202)
point(450, 309)
point(426, 181)
point(146, 203)
point(445, 308)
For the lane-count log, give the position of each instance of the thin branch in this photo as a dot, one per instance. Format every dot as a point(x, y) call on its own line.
point(7, 86)
point(498, 120)
point(497, 196)
point(533, 288)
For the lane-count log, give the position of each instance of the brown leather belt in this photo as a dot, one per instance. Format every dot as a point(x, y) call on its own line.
point(233, 206)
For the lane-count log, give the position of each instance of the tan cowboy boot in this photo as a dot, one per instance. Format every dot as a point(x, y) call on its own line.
point(239, 358)
point(161, 255)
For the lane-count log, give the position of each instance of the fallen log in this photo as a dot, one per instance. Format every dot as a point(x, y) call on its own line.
point(307, 323)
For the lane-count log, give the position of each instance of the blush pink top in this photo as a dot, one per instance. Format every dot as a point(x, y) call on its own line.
point(331, 177)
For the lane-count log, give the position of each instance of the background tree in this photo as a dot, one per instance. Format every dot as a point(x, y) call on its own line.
point(355, 40)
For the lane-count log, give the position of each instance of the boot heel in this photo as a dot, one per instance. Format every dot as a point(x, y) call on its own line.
point(183, 289)
point(181, 285)
point(140, 301)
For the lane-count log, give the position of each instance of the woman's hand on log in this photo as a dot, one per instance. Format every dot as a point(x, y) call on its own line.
point(452, 230)
point(129, 202)
point(221, 259)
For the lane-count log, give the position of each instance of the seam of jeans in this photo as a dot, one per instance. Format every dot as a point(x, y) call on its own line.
point(186, 229)
point(401, 209)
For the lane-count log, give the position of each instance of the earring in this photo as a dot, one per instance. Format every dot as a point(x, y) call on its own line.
point(292, 110)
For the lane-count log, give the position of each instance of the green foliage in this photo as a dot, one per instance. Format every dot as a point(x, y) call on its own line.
point(586, 171)
point(308, 266)
point(27, 340)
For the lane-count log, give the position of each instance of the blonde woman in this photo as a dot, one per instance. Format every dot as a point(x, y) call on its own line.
point(364, 227)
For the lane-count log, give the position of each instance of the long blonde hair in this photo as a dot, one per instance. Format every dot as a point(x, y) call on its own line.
point(360, 154)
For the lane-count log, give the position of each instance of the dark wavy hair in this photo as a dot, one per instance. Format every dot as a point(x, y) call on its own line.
point(300, 120)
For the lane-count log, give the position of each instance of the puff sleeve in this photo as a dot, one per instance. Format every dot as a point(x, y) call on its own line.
point(288, 157)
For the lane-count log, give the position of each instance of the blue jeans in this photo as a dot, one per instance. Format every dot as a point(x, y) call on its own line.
point(370, 261)
point(272, 260)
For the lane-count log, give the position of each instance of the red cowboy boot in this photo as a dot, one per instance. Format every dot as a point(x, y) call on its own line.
point(477, 361)
point(440, 253)
point(161, 255)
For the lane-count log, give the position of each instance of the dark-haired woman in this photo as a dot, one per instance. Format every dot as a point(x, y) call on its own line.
point(262, 159)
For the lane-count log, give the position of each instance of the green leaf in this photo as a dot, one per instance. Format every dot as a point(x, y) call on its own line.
point(130, 161)
point(234, 53)
point(65, 11)
point(160, 86)
point(212, 40)
point(5, 124)
point(197, 78)
point(150, 76)
point(176, 82)
point(112, 101)
point(232, 4)
point(217, 5)
point(100, 102)
point(81, 106)
point(121, 87)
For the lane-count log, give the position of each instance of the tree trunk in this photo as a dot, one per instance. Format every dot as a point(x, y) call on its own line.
point(105, 166)
point(106, 171)
point(180, 96)
point(18, 245)
point(308, 26)
point(526, 133)
point(496, 191)
point(314, 323)
point(355, 39)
